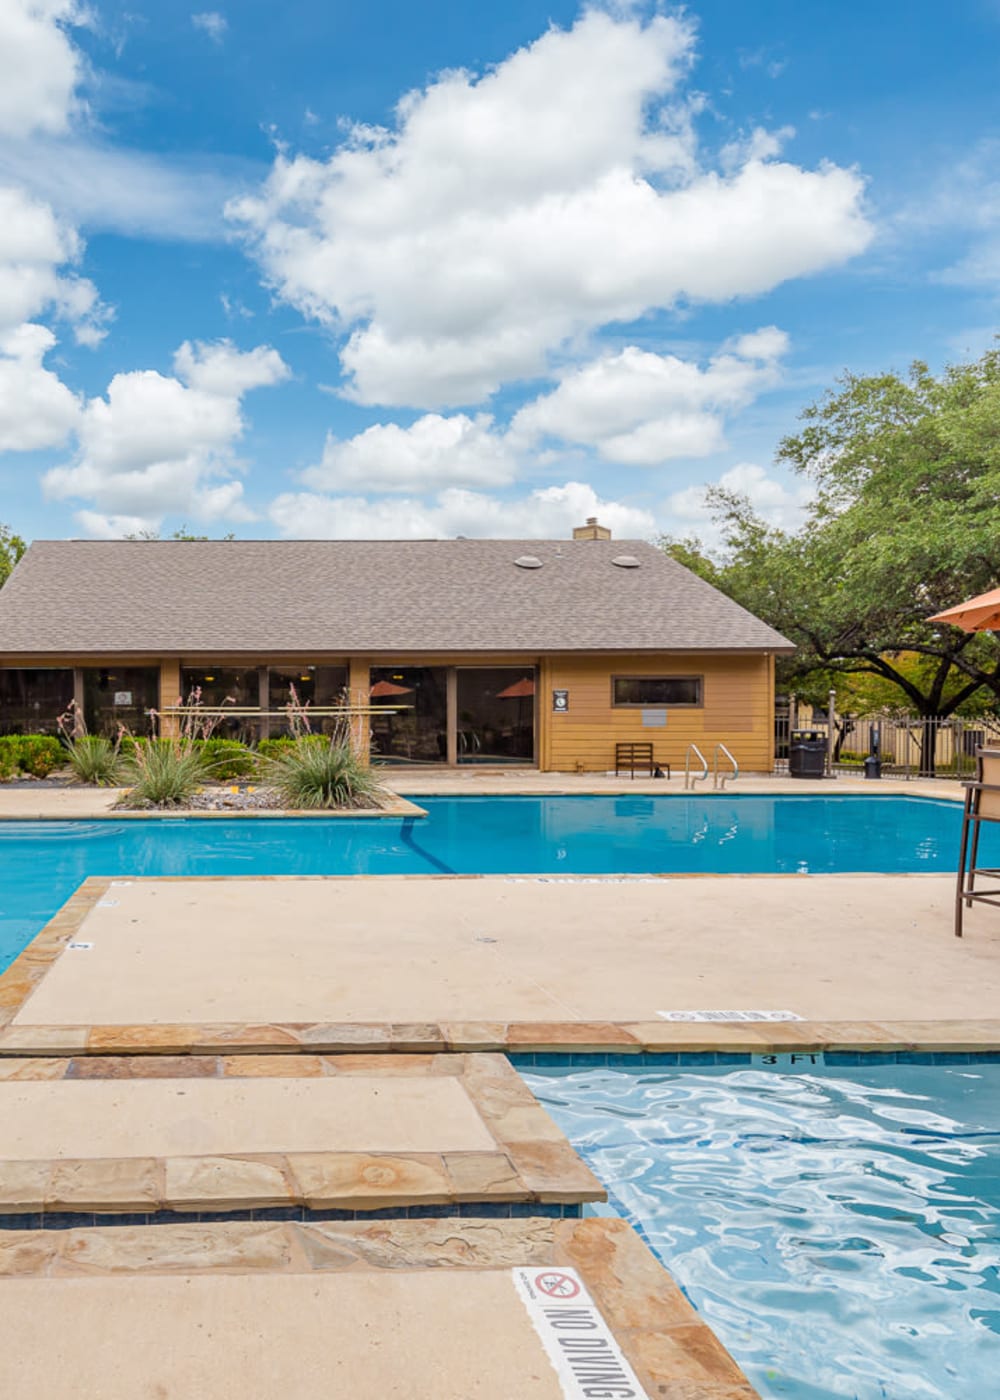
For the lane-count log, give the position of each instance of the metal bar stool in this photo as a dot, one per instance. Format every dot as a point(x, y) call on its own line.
point(982, 804)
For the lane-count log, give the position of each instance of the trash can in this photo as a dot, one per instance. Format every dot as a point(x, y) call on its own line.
point(807, 753)
point(873, 766)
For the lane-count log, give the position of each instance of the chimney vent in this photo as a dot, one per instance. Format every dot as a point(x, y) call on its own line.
point(592, 530)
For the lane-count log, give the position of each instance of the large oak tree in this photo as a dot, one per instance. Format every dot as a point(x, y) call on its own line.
point(905, 522)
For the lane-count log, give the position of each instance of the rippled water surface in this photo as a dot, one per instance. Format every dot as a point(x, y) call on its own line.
point(840, 1230)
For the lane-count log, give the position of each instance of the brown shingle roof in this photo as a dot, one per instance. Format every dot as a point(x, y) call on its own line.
point(219, 596)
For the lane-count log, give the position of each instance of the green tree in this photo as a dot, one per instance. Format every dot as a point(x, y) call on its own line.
point(11, 549)
point(904, 523)
point(181, 534)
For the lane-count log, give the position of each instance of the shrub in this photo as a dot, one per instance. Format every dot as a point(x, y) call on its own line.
point(273, 748)
point(39, 754)
point(163, 773)
point(95, 760)
point(8, 756)
point(227, 758)
point(313, 774)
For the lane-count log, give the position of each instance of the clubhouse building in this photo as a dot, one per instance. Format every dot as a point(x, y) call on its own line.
point(464, 651)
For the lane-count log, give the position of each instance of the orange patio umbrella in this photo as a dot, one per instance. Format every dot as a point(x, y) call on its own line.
point(520, 690)
point(383, 688)
point(980, 614)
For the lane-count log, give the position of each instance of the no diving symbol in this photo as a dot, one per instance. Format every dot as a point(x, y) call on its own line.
point(555, 1285)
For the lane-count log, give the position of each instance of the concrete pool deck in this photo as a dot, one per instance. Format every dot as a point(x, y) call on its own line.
point(409, 1309)
point(415, 963)
point(45, 802)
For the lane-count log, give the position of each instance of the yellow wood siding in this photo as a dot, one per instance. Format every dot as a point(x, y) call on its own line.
point(736, 711)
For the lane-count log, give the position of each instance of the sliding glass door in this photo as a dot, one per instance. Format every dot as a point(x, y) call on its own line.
point(496, 714)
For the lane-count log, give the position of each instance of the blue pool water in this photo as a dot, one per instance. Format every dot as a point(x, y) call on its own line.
point(839, 1230)
point(41, 863)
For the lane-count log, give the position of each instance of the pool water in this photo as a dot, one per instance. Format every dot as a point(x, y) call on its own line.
point(838, 1229)
point(42, 863)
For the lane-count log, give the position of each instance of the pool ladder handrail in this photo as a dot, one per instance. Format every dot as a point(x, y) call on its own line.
point(689, 779)
point(721, 779)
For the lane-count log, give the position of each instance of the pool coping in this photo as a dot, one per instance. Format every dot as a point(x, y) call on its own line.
point(21, 978)
point(531, 1162)
point(396, 807)
point(671, 1348)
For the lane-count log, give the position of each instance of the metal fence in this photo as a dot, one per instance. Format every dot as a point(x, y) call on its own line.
point(925, 747)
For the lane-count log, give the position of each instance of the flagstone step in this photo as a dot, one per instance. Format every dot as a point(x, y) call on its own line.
point(243, 1133)
point(534, 1309)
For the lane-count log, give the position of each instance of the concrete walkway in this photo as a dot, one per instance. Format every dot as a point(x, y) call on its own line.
point(418, 949)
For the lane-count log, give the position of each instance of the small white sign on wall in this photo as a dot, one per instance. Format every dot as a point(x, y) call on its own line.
point(654, 719)
point(123, 697)
point(729, 1015)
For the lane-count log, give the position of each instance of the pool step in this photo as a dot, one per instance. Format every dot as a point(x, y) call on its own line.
point(293, 1135)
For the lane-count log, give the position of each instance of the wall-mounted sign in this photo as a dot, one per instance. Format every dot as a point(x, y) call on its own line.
point(560, 701)
point(654, 719)
point(123, 697)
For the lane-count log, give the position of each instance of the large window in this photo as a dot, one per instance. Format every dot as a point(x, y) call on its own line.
point(496, 714)
point(648, 691)
point(31, 700)
point(313, 685)
point(232, 688)
point(219, 684)
point(418, 731)
point(117, 696)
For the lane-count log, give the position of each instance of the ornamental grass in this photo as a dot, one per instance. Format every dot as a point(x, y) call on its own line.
point(163, 773)
point(95, 760)
point(311, 775)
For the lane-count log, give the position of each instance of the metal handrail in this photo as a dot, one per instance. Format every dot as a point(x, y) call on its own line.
point(721, 779)
point(690, 781)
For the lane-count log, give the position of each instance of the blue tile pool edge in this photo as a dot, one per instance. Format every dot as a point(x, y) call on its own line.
point(694, 1059)
point(476, 1210)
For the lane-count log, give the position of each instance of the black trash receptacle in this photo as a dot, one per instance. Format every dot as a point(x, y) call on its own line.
point(807, 754)
point(873, 766)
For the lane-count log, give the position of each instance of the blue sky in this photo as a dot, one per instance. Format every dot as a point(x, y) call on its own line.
point(396, 270)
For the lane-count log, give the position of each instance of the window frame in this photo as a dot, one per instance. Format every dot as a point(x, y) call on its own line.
point(698, 704)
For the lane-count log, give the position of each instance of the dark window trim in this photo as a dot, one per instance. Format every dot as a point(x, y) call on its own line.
point(698, 704)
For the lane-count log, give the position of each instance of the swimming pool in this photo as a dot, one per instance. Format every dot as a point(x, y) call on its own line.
point(839, 1230)
point(42, 863)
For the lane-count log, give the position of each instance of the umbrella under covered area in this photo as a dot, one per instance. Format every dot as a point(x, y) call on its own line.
point(381, 689)
point(520, 690)
point(980, 614)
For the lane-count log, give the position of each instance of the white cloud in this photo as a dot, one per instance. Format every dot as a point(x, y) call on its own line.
point(779, 503)
point(506, 214)
point(126, 191)
point(211, 23)
point(641, 409)
point(550, 512)
point(48, 151)
point(36, 408)
point(161, 444)
point(963, 202)
point(39, 66)
point(432, 453)
point(34, 245)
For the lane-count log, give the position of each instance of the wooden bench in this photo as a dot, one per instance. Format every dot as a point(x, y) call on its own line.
point(632, 756)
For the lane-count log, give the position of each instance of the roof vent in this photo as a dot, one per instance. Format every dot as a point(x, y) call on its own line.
point(626, 561)
point(528, 561)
